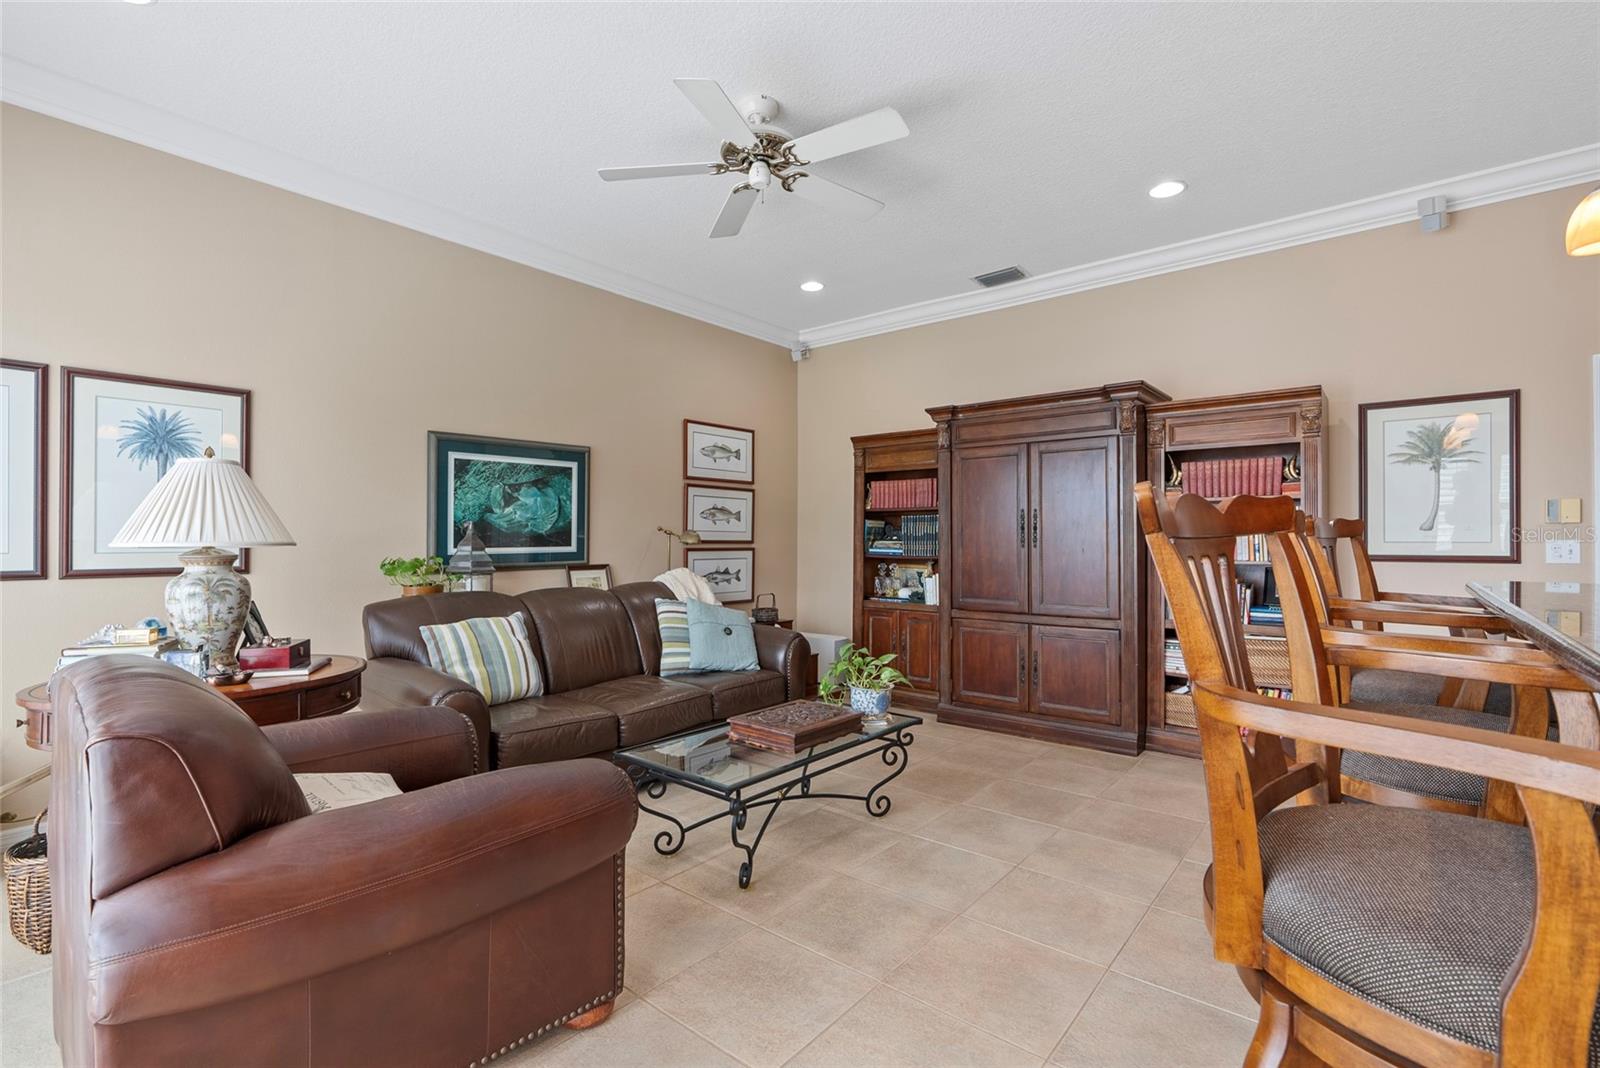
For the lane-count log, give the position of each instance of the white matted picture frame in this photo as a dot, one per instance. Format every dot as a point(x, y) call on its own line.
point(119, 435)
point(719, 513)
point(731, 573)
point(717, 452)
point(24, 407)
point(1441, 478)
point(590, 576)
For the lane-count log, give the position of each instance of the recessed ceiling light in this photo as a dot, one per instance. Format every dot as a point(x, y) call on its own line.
point(811, 287)
point(1163, 190)
point(139, 3)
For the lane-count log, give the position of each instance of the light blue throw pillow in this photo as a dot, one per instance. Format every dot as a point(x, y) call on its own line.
point(720, 639)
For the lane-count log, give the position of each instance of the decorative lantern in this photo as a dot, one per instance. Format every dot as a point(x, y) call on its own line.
point(470, 565)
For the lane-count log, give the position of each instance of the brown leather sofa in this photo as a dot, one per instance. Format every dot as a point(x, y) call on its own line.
point(601, 655)
point(203, 916)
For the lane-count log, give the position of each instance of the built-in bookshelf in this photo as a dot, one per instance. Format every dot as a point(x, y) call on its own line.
point(896, 553)
point(1264, 444)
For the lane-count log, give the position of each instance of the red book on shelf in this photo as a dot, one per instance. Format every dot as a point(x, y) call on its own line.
point(1277, 474)
point(1260, 476)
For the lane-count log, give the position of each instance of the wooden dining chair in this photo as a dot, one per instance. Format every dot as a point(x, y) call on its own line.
point(1323, 538)
point(1372, 934)
point(1321, 647)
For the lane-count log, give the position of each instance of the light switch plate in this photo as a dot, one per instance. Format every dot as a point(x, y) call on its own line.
point(1564, 510)
point(1563, 587)
point(1561, 552)
point(1567, 621)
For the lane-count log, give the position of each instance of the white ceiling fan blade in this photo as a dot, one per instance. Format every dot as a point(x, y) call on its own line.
point(863, 131)
point(835, 197)
point(735, 211)
point(709, 99)
point(663, 170)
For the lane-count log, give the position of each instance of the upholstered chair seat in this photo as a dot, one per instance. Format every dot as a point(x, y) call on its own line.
point(1423, 779)
point(1379, 686)
point(1422, 913)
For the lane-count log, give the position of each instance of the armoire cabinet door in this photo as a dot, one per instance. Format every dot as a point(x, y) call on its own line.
point(919, 650)
point(989, 663)
point(1076, 673)
point(880, 628)
point(988, 511)
point(1073, 529)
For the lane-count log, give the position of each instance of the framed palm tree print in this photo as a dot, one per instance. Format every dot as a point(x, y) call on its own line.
point(119, 435)
point(1440, 478)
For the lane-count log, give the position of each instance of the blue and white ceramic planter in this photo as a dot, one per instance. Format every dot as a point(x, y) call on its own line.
point(874, 703)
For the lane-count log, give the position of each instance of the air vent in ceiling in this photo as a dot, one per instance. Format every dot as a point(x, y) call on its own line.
point(1001, 277)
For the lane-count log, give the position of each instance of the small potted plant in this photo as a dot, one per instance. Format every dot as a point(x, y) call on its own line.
point(869, 679)
point(416, 575)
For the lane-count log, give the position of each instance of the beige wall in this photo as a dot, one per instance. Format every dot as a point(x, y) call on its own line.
point(355, 337)
point(1490, 303)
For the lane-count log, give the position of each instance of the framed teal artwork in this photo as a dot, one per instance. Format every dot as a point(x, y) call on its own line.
point(527, 500)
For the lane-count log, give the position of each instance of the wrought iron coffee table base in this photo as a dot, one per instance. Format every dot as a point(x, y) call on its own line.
point(771, 793)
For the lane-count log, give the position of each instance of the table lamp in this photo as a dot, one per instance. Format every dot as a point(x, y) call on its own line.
point(201, 503)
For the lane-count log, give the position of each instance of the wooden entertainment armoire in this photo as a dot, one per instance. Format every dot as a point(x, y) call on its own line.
point(1043, 586)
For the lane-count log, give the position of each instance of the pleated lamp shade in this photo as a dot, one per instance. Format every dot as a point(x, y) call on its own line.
point(203, 502)
point(1583, 229)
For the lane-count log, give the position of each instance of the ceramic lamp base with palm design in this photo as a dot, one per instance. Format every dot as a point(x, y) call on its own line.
point(207, 605)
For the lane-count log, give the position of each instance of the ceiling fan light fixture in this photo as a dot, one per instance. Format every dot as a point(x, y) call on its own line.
point(1170, 188)
point(812, 286)
point(760, 175)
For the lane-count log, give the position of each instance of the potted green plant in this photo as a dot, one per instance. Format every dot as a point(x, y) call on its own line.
point(416, 575)
point(869, 679)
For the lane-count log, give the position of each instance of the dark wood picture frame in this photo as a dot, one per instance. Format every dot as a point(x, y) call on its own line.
point(69, 377)
point(690, 550)
point(439, 540)
point(1513, 399)
point(41, 468)
point(590, 567)
point(721, 487)
point(693, 475)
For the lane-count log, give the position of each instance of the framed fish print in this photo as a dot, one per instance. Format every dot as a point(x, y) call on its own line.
point(23, 392)
point(723, 453)
point(719, 513)
point(731, 573)
point(528, 501)
point(120, 435)
point(1440, 478)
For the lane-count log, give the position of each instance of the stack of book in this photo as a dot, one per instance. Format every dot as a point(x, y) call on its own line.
point(151, 641)
point(1268, 615)
point(792, 727)
point(903, 493)
point(1172, 654)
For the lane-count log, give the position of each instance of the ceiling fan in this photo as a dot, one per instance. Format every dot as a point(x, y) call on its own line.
point(768, 156)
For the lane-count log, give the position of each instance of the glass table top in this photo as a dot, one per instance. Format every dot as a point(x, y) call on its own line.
point(1561, 617)
point(710, 758)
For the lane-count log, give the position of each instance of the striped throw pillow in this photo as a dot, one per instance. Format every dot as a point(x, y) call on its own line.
point(672, 620)
point(492, 654)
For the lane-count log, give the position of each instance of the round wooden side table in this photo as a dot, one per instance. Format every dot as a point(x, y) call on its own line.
point(331, 689)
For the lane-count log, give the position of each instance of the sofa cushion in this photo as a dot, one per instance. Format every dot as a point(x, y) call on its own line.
point(552, 727)
point(393, 627)
point(491, 653)
point(586, 637)
point(1434, 946)
point(639, 599)
point(648, 707)
point(1424, 779)
point(672, 634)
point(720, 639)
point(734, 692)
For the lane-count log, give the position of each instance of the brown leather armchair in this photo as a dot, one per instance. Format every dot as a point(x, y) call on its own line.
point(204, 916)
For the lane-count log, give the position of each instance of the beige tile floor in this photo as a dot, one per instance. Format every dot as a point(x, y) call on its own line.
point(1023, 903)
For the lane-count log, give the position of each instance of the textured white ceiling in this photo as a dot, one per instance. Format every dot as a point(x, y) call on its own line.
point(1035, 128)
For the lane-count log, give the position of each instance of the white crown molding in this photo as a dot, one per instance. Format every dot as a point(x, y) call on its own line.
point(37, 89)
point(1532, 176)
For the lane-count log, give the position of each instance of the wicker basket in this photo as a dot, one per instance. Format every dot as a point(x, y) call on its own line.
point(27, 872)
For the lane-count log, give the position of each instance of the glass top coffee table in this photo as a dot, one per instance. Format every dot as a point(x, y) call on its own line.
point(747, 779)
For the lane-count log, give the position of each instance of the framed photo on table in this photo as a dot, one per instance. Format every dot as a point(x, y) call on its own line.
point(1440, 478)
point(731, 573)
point(119, 435)
point(719, 513)
point(528, 501)
point(590, 576)
point(722, 453)
point(24, 391)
